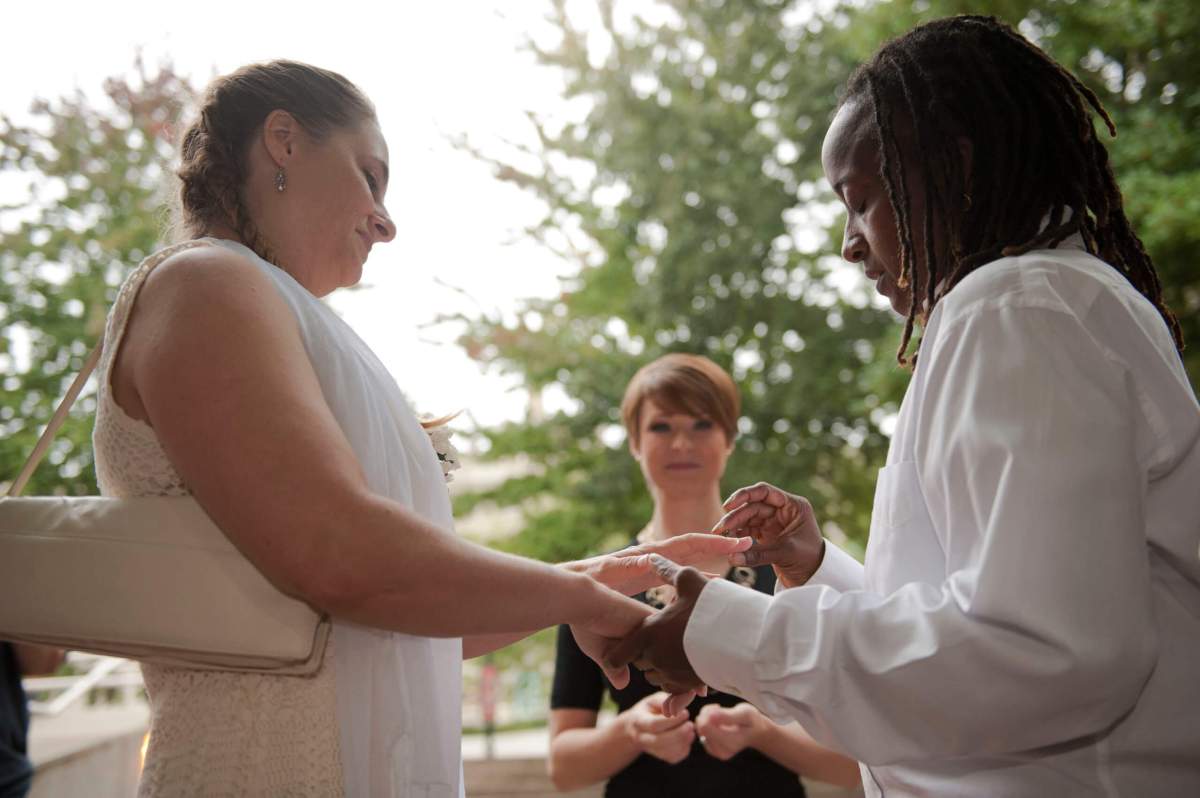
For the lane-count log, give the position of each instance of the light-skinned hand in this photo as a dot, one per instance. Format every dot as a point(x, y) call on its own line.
point(629, 570)
point(610, 618)
point(727, 731)
point(666, 737)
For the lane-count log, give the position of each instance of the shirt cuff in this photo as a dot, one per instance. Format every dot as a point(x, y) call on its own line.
point(721, 638)
point(837, 570)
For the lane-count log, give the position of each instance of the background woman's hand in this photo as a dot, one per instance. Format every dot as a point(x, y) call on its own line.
point(727, 731)
point(667, 737)
point(785, 531)
point(630, 571)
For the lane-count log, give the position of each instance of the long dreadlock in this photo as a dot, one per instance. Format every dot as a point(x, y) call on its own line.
point(1035, 157)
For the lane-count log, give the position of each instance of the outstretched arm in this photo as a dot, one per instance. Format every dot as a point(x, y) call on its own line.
point(628, 571)
point(213, 360)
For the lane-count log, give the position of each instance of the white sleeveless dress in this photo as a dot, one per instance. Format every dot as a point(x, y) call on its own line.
point(383, 715)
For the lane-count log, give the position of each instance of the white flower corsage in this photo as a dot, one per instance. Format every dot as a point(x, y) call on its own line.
point(447, 455)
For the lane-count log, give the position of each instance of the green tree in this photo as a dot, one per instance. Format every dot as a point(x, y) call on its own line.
point(1143, 59)
point(689, 198)
point(689, 235)
point(95, 173)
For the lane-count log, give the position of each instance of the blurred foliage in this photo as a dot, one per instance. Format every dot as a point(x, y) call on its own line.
point(688, 197)
point(687, 194)
point(92, 211)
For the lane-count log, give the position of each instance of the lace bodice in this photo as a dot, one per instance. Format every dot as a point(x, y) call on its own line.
point(212, 732)
point(129, 459)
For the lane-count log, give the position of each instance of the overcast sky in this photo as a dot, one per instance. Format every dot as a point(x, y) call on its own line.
point(433, 69)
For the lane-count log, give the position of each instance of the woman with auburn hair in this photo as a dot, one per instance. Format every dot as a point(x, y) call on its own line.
point(224, 377)
point(680, 413)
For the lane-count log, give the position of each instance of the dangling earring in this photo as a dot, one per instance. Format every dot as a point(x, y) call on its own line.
point(966, 200)
point(280, 180)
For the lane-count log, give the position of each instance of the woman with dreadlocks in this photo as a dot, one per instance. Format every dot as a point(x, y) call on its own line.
point(1028, 619)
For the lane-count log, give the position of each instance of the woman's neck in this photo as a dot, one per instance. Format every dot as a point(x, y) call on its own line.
point(222, 231)
point(679, 515)
point(260, 248)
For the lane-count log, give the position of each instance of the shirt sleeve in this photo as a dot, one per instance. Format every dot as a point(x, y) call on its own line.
point(1042, 631)
point(578, 682)
point(837, 570)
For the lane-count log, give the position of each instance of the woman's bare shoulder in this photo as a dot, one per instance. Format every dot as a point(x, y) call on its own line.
point(197, 313)
point(205, 273)
point(212, 294)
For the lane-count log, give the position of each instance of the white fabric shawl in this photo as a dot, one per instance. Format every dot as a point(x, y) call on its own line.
point(399, 697)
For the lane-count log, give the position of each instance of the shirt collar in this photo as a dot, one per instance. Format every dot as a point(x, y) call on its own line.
point(1073, 241)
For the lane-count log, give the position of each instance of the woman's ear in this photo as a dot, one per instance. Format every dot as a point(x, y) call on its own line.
point(634, 449)
point(280, 132)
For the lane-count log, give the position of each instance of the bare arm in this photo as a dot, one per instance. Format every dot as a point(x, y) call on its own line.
point(214, 361)
point(627, 571)
point(582, 753)
point(726, 731)
point(478, 645)
point(792, 747)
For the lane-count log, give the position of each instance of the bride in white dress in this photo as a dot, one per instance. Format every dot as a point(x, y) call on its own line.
point(226, 378)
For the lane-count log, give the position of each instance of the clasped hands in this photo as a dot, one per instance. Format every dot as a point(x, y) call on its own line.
point(723, 731)
point(785, 535)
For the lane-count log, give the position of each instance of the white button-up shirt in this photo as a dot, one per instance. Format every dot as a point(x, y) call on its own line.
point(1028, 619)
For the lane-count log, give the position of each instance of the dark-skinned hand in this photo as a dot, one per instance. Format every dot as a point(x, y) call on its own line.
point(785, 530)
point(656, 646)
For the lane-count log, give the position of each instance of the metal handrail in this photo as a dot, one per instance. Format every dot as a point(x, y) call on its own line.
point(102, 673)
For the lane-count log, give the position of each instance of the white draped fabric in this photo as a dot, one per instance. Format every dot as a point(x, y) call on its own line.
point(383, 715)
point(399, 697)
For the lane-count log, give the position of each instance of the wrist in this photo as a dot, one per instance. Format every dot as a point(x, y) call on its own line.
point(627, 730)
point(624, 724)
point(581, 597)
point(760, 730)
point(795, 576)
point(593, 605)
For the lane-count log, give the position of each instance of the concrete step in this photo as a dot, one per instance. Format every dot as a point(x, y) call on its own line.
point(516, 778)
point(88, 751)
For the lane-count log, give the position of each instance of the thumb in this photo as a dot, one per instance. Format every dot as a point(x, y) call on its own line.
point(625, 651)
point(617, 675)
point(655, 702)
point(688, 581)
point(667, 570)
point(741, 714)
point(677, 702)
